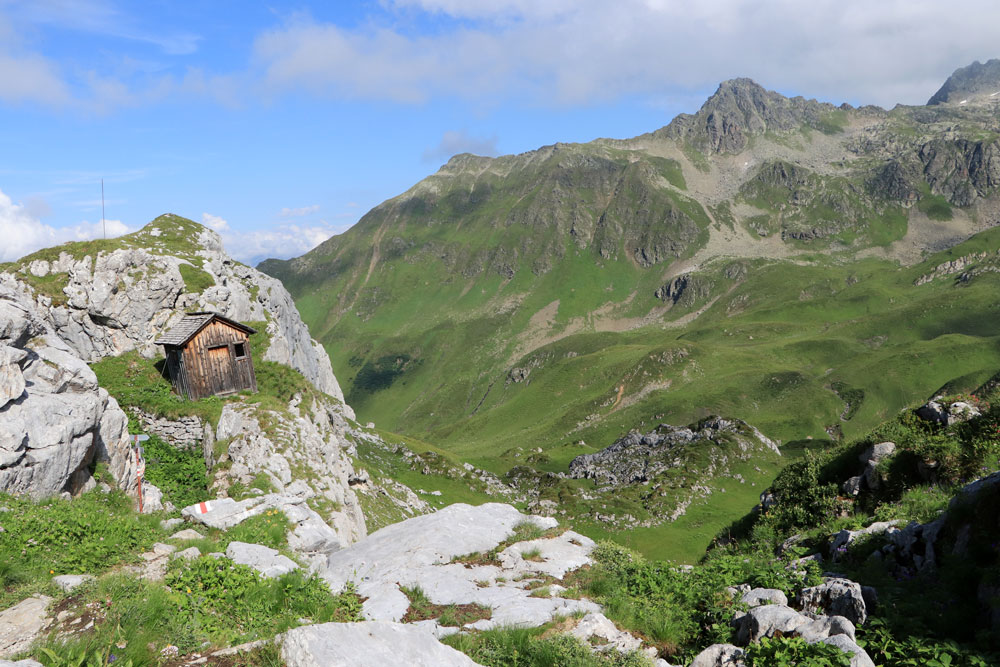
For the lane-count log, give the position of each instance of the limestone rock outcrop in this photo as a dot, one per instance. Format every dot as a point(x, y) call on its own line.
point(55, 422)
point(121, 300)
point(428, 551)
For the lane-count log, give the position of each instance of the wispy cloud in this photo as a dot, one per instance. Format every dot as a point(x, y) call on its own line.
point(298, 212)
point(100, 17)
point(454, 142)
point(586, 51)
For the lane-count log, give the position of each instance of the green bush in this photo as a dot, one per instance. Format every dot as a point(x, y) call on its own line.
point(789, 652)
point(179, 473)
point(679, 610)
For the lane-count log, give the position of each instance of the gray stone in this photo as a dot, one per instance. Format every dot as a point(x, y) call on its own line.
point(956, 412)
point(877, 452)
point(767, 620)
point(161, 549)
point(21, 624)
point(843, 539)
point(265, 560)
point(595, 627)
point(825, 626)
point(11, 377)
point(68, 582)
point(186, 534)
point(368, 644)
point(720, 655)
point(56, 421)
point(170, 524)
point(837, 596)
point(762, 596)
point(20, 663)
point(189, 554)
point(852, 486)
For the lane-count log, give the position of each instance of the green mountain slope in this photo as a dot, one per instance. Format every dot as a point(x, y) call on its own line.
point(761, 259)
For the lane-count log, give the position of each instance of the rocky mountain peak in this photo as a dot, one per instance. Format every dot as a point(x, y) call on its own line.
point(978, 82)
point(741, 108)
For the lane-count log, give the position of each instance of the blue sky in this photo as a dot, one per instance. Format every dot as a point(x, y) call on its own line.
point(282, 123)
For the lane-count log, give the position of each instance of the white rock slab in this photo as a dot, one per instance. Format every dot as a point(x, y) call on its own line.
point(21, 624)
point(368, 644)
point(419, 551)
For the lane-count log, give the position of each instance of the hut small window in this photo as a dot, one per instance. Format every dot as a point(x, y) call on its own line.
point(240, 349)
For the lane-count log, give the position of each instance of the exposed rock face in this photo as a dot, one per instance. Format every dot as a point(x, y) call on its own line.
point(740, 109)
point(122, 300)
point(311, 439)
point(956, 412)
point(686, 289)
point(971, 83)
point(54, 419)
point(638, 458)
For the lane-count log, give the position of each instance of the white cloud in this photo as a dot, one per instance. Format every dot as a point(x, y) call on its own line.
point(454, 142)
point(214, 222)
point(590, 51)
point(282, 241)
point(23, 233)
point(298, 212)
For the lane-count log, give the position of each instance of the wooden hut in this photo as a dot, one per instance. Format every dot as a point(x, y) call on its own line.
point(208, 354)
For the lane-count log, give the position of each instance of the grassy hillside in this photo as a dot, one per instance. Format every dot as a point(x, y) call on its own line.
point(557, 299)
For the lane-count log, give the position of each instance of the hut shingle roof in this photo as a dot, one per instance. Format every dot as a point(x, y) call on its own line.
point(191, 324)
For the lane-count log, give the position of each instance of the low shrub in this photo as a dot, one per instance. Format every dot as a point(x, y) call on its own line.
point(179, 473)
point(792, 651)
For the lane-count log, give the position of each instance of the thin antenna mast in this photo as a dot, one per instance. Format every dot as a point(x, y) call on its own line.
point(104, 225)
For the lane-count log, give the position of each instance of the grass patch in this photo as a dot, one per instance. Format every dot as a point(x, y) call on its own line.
point(453, 615)
point(89, 534)
point(203, 603)
point(195, 280)
point(139, 382)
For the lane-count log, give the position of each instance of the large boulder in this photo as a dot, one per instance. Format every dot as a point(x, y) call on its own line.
point(767, 621)
point(760, 596)
point(838, 596)
point(367, 644)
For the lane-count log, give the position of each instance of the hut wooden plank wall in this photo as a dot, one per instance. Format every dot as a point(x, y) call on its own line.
point(208, 354)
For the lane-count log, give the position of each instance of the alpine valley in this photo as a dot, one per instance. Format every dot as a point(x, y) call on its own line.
point(726, 394)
